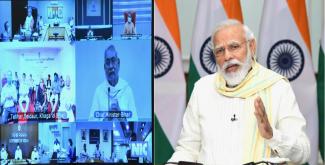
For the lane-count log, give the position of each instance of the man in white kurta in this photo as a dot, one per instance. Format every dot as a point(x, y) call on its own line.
point(67, 101)
point(114, 94)
point(129, 27)
point(3, 153)
point(35, 154)
point(8, 99)
point(18, 153)
point(29, 21)
point(23, 94)
point(123, 95)
point(240, 118)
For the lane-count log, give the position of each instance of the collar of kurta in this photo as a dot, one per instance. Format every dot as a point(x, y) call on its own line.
point(257, 83)
point(256, 80)
point(118, 88)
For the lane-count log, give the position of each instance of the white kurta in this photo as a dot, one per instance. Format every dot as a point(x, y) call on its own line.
point(121, 92)
point(3, 154)
point(18, 154)
point(35, 155)
point(29, 23)
point(209, 136)
point(66, 102)
point(7, 92)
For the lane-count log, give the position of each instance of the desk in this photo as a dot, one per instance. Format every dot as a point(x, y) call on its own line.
point(131, 36)
point(56, 33)
point(93, 38)
point(48, 32)
point(51, 32)
point(13, 161)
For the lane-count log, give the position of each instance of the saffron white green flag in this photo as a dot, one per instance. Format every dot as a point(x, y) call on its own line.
point(209, 13)
point(320, 95)
point(169, 80)
point(284, 46)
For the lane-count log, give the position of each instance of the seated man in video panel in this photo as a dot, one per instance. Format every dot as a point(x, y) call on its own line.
point(3, 153)
point(67, 102)
point(56, 149)
point(35, 154)
point(90, 33)
point(24, 94)
point(56, 90)
point(84, 155)
point(115, 92)
point(97, 153)
point(6, 36)
point(8, 98)
point(41, 97)
point(29, 23)
point(129, 27)
point(18, 153)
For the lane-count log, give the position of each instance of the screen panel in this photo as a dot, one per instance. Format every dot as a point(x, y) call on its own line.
point(56, 65)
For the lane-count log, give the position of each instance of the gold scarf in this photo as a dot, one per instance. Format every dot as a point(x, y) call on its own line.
point(258, 82)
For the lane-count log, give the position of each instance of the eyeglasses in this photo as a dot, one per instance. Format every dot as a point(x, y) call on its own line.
point(232, 47)
point(109, 61)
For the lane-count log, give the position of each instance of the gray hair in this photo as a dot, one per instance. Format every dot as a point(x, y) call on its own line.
point(110, 48)
point(232, 22)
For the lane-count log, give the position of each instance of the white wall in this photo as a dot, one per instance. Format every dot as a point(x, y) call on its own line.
point(252, 12)
point(21, 54)
point(5, 14)
point(47, 137)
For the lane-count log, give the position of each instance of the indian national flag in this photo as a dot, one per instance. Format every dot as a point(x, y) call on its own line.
point(169, 80)
point(320, 94)
point(284, 46)
point(209, 13)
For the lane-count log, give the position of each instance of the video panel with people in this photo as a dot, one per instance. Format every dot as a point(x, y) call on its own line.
point(38, 82)
point(75, 82)
point(94, 20)
point(114, 142)
point(33, 20)
point(59, 146)
point(132, 20)
point(132, 142)
point(117, 86)
point(43, 143)
point(18, 142)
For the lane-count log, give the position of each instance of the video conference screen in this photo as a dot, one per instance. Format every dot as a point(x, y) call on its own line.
point(75, 81)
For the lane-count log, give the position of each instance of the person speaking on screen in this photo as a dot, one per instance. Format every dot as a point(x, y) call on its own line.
point(129, 27)
point(244, 112)
point(114, 94)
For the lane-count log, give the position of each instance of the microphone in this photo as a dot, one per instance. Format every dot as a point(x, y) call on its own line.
point(234, 118)
point(108, 98)
point(108, 104)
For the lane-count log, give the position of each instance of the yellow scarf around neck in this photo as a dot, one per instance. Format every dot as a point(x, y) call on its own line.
point(258, 82)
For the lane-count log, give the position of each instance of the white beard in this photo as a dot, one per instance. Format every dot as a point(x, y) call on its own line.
point(235, 78)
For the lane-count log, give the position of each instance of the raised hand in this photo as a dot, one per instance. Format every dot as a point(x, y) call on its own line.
point(263, 123)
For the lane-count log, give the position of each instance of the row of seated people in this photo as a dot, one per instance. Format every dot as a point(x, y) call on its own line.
point(40, 98)
point(121, 154)
point(18, 155)
point(34, 29)
point(39, 154)
point(31, 32)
